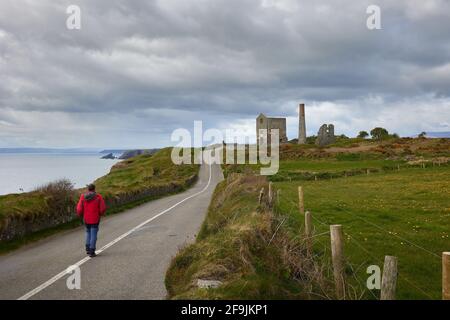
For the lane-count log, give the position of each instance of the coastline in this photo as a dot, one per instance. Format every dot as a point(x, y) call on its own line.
point(24, 172)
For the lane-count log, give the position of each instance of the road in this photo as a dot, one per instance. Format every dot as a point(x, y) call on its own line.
point(135, 246)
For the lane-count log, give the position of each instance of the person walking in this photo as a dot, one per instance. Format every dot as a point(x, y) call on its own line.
point(91, 207)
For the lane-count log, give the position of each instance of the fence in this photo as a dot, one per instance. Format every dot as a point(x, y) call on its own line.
point(390, 274)
point(330, 175)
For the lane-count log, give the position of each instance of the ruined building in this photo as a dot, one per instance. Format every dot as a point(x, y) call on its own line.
point(263, 122)
point(325, 135)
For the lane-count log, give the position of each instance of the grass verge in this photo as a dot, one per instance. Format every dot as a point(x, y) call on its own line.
point(245, 246)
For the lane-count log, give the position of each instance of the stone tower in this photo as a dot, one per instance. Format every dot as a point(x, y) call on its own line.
point(301, 124)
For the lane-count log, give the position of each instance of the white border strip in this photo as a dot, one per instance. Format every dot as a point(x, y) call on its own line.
point(82, 261)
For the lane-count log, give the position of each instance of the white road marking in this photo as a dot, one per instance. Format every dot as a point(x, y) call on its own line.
point(82, 261)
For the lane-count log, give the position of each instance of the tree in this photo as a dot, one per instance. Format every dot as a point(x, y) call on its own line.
point(379, 133)
point(422, 134)
point(363, 134)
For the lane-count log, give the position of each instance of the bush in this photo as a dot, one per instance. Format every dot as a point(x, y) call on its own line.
point(59, 195)
point(58, 187)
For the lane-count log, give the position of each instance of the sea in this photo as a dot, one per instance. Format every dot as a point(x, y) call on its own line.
point(23, 172)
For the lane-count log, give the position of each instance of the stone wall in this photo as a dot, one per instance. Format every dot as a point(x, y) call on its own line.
point(16, 226)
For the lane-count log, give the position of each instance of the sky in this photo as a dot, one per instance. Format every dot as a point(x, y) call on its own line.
point(137, 70)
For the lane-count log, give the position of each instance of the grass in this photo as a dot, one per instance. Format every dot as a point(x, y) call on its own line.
point(307, 169)
point(130, 183)
point(242, 244)
point(333, 165)
point(22, 204)
point(404, 213)
point(144, 172)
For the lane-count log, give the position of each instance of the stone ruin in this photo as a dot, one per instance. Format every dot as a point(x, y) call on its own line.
point(325, 136)
point(267, 123)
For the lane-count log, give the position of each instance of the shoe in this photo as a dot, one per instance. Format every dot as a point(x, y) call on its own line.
point(92, 253)
point(88, 250)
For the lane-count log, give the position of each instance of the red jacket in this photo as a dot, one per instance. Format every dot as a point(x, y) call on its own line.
point(91, 206)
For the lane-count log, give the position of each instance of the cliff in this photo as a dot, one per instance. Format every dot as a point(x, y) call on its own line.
point(133, 153)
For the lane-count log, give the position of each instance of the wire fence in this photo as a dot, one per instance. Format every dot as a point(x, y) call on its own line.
point(351, 239)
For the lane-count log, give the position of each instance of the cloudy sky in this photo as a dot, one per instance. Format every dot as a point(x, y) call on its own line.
point(139, 69)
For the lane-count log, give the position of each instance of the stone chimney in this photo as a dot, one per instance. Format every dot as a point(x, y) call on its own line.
point(301, 124)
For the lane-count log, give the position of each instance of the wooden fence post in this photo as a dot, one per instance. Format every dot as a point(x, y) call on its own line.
point(261, 194)
point(270, 194)
point(445, 275)
point(337, 255)
point(389, 280)
point(301, 205)
point(308, 232)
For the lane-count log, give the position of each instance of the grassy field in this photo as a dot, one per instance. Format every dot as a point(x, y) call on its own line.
point(404, 213)
point(333, 165)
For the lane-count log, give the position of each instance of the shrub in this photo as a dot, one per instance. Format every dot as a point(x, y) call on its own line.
point(59, 194)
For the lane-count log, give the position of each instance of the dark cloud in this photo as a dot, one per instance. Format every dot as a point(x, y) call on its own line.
point(138, 69)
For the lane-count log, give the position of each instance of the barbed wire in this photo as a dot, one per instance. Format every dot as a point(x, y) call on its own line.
point(379, 260)
point(360, 246)
point(360, 284)
point(415, 286)
point(401, 238)
point(382, 229)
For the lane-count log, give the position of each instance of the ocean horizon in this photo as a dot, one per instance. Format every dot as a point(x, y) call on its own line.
point(24, 172)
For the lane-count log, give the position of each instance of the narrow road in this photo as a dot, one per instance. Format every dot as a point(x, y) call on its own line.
point(135, 247)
